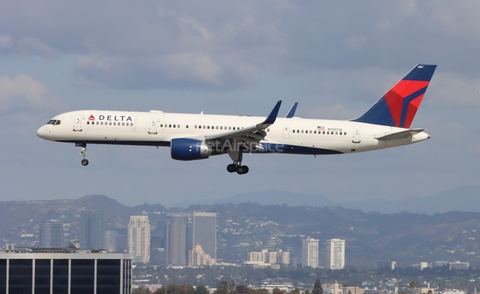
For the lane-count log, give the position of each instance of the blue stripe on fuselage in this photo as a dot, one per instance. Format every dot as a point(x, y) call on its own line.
point(293, 149)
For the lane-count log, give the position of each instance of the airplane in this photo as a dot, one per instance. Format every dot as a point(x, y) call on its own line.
point(199, 136)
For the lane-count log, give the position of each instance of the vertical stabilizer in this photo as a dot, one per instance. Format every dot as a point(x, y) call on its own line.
point(397, 108)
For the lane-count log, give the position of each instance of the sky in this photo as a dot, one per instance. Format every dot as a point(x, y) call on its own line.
point(336, 58)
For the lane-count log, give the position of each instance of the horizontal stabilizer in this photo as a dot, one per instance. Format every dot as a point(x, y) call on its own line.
point(400, 134)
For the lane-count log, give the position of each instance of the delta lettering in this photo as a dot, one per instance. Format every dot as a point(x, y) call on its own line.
point(114, 117)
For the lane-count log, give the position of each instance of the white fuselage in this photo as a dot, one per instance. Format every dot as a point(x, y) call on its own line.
point(156, 128)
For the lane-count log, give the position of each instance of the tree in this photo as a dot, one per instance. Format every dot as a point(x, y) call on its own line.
point(225, 288)
point(277, 290)
point(413, 286)
point(241, 289)
point(317, 287)
point(141, 290)
point(174, 289)
point(187, 289)
point(295, 291)
point(201, 290)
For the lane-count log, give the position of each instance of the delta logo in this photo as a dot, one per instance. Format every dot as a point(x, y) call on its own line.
point(111, 117)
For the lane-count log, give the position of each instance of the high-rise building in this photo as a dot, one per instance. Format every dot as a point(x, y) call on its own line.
point(157, 250)
point(205, 232)
point(51, 234)
point(69, 271)
point(310, 252)
point(176, 238)
point(197, 256)
point(335, 254)
point(92, 230)
point(110, 241)
point(139, 238)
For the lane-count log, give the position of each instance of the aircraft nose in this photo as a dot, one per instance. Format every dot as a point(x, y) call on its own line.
point(41, 132)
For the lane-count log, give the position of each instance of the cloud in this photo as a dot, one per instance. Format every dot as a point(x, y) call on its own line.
point(25, 93)
point(27, 45)
point(448, 89)
point(218, 46)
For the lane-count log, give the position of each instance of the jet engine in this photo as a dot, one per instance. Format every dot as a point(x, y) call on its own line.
point(189, 149)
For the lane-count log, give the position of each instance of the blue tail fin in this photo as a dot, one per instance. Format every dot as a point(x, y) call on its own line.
point(397, 108)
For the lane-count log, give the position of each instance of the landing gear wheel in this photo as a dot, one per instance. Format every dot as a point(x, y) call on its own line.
point(242, 169)
point(84, 162)
point(231, 168)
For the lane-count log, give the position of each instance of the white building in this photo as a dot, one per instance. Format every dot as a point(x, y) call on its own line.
point(310, 252)
point(335, 254)
point(272, 257)
point(139, 238)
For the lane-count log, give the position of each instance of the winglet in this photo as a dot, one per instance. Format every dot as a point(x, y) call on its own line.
point(273, 115)
point(291, 113)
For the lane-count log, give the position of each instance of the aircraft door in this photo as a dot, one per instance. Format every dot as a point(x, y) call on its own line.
point(77, 123)
point(152, 127)
point(286, 132)
point(356, 134)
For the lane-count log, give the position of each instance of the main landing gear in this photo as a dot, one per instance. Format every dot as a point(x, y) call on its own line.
point(237, 166)
point(83, 152)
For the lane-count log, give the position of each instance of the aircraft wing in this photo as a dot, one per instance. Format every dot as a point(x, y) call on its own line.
point(254, 133)
point(400, 134)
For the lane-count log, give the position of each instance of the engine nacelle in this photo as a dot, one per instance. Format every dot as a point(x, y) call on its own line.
point(189, 149)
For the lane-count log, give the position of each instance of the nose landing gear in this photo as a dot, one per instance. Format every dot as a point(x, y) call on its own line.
point(83, 152)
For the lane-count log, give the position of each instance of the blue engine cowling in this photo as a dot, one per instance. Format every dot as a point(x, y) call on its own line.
point(189, 149)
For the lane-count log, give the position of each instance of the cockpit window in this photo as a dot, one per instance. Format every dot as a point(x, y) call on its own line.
point(54, 122)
